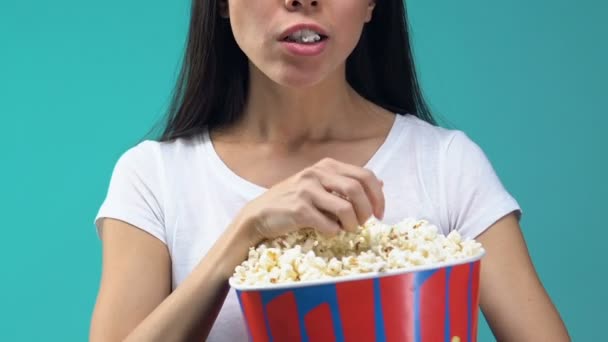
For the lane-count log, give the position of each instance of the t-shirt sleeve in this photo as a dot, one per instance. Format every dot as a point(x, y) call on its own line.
point(475, 198)
point(135, 193)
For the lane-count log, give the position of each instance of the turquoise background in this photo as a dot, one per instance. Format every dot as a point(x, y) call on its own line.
point(82, 81)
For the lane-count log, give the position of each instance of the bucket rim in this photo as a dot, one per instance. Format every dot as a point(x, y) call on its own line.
point(355, 277)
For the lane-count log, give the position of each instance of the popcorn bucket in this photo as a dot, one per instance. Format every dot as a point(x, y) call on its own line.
point(430, 303)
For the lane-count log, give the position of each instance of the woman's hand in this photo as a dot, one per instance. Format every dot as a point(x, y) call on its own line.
point(329, 196)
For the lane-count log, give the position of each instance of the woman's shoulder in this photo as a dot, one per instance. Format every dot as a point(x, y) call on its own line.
point(149, 150)
point(140, 155)
point(151, 161)
point(431, 135)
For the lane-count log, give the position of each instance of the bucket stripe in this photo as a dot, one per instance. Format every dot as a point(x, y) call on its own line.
point(378, 316)
point(255, 316)
point(474, 283)
point(397, 298)
point(319, 324)
point(420, 280)
point(446, 321)
point(356, 302)
point(432, 313)
point(469, 301)
point(283, 318)
point(459, 302)
point(309, 298)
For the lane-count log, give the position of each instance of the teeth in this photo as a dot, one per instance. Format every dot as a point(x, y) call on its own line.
point(305, 36)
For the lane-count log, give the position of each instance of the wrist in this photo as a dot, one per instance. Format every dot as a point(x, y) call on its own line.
point(246, 226)
point(233, 246)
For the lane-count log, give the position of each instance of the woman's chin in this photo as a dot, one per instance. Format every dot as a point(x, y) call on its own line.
point(294, 75)
point(298, 79)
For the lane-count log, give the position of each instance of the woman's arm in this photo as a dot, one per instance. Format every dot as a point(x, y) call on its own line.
point(512, 297)
point(135, 302)
point(135, 299)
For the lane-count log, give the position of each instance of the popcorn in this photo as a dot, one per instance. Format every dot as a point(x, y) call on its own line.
point(375, 247)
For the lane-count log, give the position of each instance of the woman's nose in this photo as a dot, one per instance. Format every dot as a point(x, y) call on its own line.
point(293, 5)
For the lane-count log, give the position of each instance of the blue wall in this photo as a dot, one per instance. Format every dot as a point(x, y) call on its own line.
point(80, 82)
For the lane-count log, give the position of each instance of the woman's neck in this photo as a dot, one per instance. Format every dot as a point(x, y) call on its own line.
point(329, 110)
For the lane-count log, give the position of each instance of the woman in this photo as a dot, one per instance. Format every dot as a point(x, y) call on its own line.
point(292, 114)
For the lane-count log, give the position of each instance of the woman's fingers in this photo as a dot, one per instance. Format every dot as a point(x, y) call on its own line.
point(368, 180)
point(329, 196)
point(322, 223)
point(352, 191)
point(335, 206)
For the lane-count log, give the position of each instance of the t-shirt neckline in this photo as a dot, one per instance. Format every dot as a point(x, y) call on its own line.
point(251, 190)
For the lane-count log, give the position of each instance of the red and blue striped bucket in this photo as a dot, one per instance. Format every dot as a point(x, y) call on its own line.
point(425, 304)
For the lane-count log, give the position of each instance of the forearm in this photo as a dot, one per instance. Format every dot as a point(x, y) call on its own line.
point(535, 320)
point(190, 311)
point(527, 314)
point(512, 297)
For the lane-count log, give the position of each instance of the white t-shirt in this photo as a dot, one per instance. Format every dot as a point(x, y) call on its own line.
point(183, 194)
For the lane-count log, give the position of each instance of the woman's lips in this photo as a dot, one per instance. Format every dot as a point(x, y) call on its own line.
point(304, 49)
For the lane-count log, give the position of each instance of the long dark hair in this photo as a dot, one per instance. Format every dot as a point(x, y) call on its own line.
point(213, 82)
